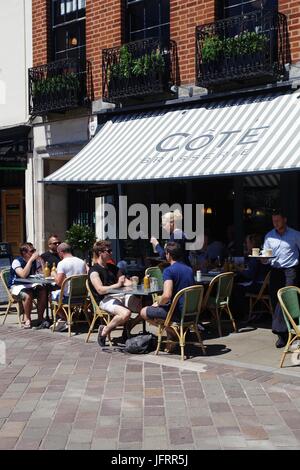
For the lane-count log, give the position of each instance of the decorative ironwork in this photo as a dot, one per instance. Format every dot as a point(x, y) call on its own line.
point(138, 69)
point(59, 86)
point(247, 48)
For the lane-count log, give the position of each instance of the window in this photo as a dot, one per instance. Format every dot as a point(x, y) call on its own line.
point(68, 29)
point(147, 18)
point(229, 8)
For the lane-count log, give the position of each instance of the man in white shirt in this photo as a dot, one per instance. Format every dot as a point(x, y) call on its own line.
point(68, 266)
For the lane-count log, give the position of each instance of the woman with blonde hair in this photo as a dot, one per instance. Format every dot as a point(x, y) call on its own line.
point(172, 222)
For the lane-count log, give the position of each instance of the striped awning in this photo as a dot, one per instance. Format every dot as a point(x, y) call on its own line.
point(256, 134)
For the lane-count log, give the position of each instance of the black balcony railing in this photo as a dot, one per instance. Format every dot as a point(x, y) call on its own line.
point(59, 86)
point(242, 50)
point(138, 69)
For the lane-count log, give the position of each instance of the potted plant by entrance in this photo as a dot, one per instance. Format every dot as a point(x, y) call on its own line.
point(81, 238)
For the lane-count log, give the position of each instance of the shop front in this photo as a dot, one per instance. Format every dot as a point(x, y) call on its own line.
point(238, 156)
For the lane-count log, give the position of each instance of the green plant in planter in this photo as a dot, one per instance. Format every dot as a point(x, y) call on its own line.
point(58, 84)
point(81, 238)
point(129, 66)
point(244, 44)
point(212, 47)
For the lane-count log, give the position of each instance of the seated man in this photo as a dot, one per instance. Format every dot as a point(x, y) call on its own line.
point(68, 266)
point(104, 276)
point(27, 264)
point(51, 256)
point(176, 277)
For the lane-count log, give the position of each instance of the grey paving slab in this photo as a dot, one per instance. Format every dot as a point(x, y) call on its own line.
point(57, 393)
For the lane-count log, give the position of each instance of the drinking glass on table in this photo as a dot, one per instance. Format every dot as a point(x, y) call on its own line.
point(135, 281)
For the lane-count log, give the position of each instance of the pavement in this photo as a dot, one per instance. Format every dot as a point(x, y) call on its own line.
point(61, 393)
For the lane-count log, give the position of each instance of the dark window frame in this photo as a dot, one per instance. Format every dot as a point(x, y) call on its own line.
point(145, 31)
point(74, 19)
point(240, 7)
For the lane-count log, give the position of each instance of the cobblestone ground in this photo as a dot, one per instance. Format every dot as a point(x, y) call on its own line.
point(60, 393)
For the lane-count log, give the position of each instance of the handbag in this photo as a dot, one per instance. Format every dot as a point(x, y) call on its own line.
point(140, 344)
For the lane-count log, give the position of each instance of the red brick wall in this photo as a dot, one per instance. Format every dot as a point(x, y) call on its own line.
point(185, 15)
point(41, 31)
point(292, 10)
point(103, 30)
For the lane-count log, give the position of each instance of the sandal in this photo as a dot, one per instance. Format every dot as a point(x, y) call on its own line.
point(27, 325)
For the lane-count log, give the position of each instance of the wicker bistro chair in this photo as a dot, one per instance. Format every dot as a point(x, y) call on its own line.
point(77, 300)
point(98, 313)
point(189, 319)
point(263, 298)
point(155, 271)
point(289, 301)
point(217, 298)
point(13, 300)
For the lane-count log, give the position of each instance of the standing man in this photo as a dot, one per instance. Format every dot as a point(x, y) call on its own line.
point(285, 245)
point(69, 265)
point(104, 276)
point(51, 256)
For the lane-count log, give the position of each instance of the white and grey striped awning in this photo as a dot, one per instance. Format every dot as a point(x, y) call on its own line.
point(257, 134)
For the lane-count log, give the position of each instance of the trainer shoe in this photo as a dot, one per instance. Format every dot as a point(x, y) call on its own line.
point(295, 346)
point(61, 325)
point(101, 339)
point(42, 325)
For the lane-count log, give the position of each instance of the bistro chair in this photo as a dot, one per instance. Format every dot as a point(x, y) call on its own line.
point(192, 297)
point(13, 300)
point(263, 298)
point(217, 298)
point(74, 303)
point(155, 271)
point(289, 301)
point(98, 313)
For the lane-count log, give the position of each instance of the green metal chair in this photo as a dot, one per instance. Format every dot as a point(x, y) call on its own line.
point(155, 271)
point(217, 298)
point(289, 301)
point(193, 297)
point(76, 302)
point(13, 300)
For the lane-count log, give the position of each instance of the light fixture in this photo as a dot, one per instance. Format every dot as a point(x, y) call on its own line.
point(248, 211)
point(73, 41)
point(209, 210)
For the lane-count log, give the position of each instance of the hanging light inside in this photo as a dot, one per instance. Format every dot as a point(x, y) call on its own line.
point(249, 211)
point(209, 210)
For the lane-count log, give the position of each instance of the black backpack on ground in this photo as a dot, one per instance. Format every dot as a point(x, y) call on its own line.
point(141, 344)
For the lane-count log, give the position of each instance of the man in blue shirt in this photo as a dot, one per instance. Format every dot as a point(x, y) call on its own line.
point(285, 245)
point(177, 276)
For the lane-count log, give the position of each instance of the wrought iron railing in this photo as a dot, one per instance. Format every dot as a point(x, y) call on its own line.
point(242, 49)
point(59, 85)
point(138, 69)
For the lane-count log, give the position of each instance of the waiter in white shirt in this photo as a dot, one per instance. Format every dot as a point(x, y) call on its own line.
point(285, 245)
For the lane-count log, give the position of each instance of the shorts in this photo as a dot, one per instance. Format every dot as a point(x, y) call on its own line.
point(124, 300)
point(55, 296)
point(160, 312)
point(22, 290)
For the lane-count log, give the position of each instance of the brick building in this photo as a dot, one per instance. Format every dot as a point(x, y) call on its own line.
point(98, 64)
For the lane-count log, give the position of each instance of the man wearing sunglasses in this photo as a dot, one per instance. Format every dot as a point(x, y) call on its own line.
point(51, 256)
point(29, 263)
point(104, 276)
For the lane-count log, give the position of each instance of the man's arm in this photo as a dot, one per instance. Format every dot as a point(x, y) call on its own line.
point(59, 279)
point(24, 272)
point(100, 288)
point(167, 293)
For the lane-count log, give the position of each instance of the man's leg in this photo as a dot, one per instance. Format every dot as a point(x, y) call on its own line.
point(120, 316)
point(42, 302)
point(27, 297)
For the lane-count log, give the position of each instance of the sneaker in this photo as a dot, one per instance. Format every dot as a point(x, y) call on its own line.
point(101, 339)
point(295, 346)
point(61, 325)
point(281, 342)
point(42, 325)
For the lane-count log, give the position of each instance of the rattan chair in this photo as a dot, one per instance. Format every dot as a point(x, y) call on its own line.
point(98, 313)
point(217, 298)
point(192, 297)
point(262, 298)
point(77, 300)
point(289, 301)
point(13, 300)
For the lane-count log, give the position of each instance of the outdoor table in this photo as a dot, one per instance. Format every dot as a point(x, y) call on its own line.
point(138, 291)
point(45, 282)
point(205, 279)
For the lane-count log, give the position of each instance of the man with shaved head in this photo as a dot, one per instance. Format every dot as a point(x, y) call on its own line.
point(68, 266)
